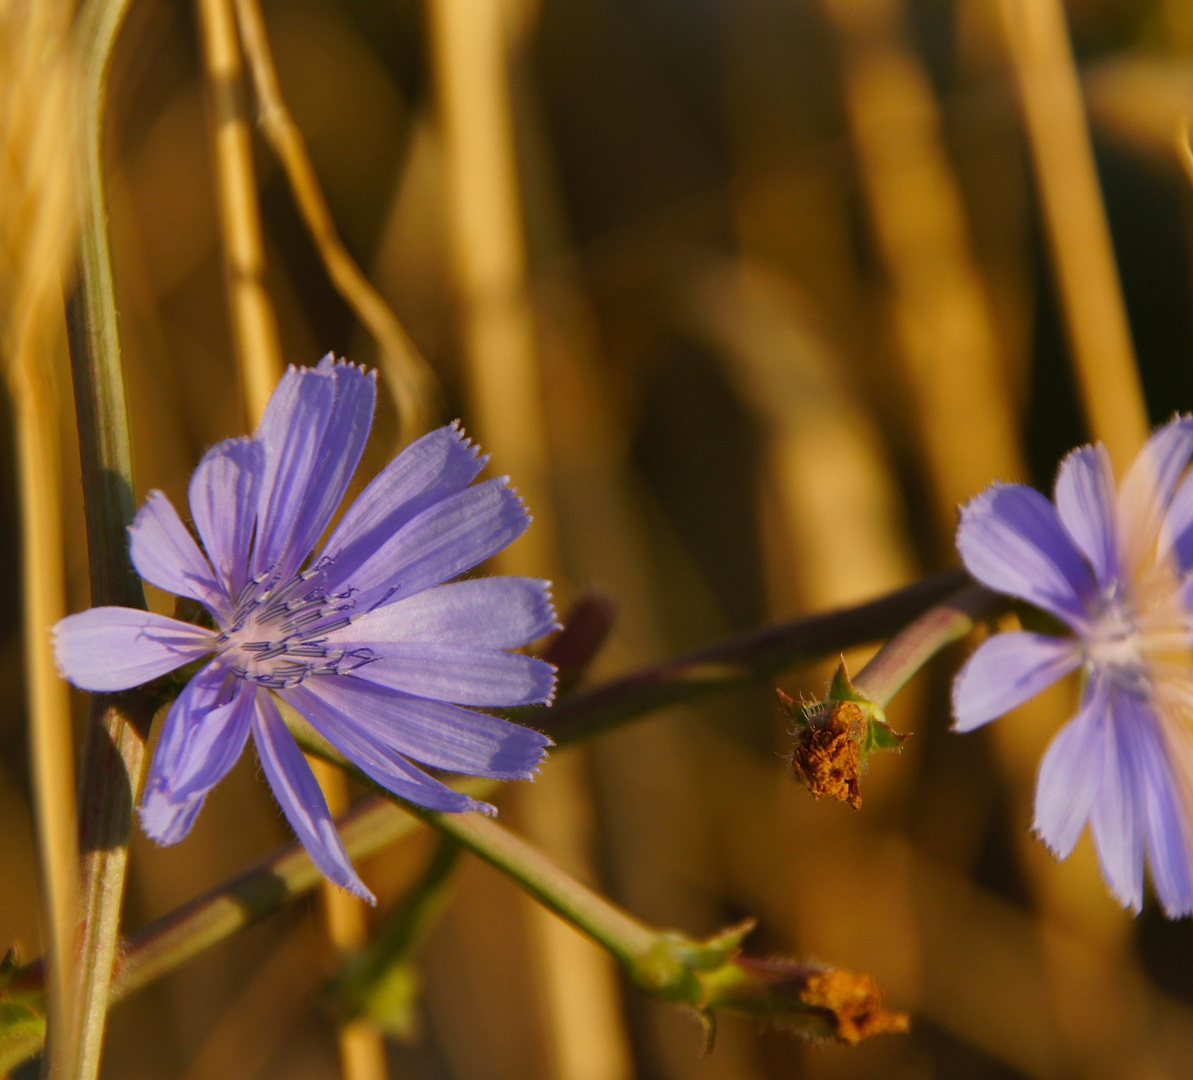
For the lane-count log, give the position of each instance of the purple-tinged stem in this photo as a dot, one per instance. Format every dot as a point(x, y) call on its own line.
point(909, 650)
point(748, 658)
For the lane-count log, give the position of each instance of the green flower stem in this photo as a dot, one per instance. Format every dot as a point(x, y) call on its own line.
point(379, 981)
point(748, 658)
point(704, 975)
point(910, 649)
point(115, 741)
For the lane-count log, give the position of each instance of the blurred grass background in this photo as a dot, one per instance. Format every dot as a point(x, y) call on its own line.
point(789, 302)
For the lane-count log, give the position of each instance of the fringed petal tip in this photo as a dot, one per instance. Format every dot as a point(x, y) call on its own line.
point(551, 612)
point(358, 889)
point(329, 362)
point(1038, 831)
point(460, 434)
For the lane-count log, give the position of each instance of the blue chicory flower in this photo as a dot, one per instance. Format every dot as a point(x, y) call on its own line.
point(364, 640)
point(1118, 571)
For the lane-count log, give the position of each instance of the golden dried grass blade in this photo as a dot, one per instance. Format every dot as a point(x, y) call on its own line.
point(259, 355)
point(1079, 235)
point(412, 384)
point(36, 230)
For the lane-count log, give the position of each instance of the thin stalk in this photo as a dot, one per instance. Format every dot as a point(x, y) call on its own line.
point(412, 384)
point(254, 325)
point(363, 987)
point(705, 975)
point(1078, 232)
point(37, 233)
point(362, 1049)
point(259, 355)
point(51, 747)
point(624, 936)
point(740, 661)
point(909, 650)
point(114, 745)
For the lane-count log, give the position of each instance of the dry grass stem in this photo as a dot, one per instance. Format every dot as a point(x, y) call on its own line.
point(412, 384)
point(943, 323)
point(1079, 235)
point(470, 50)
point(362, 1046)
point(254, 325)
point(258, 351)
point(36, 230)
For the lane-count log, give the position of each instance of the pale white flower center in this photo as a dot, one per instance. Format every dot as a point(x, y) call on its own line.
point(1142, 636)
point(278, 636)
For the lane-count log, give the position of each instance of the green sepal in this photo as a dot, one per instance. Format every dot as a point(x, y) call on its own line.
point(881, 736)
point(877, 733)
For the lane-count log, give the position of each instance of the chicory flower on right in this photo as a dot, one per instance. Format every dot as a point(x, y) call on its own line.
point(1117, 569)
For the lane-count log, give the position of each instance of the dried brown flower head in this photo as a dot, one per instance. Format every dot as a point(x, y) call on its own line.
point(827, 755)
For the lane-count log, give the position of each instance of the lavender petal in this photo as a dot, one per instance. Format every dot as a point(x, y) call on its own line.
point(444, 540)
point(439, 464)
point(1085, 500)
point(374, 752)
point(437, 734)
point(492, 612)
point(1118, 815)
point(1071, 773)
point(202, 737)
point(1147, 488)
point(115, 648)
point(223, 495)
point(1011, 539)
point(1167, 828)
point(292, 431)
point(1007, 670)
point(337, 458)
point(459, 673)
point(294, 786)
point(1176, 534)
point(164, 553)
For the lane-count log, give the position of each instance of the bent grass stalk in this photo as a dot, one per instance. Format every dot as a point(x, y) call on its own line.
point(374, 823)
point(412, 384)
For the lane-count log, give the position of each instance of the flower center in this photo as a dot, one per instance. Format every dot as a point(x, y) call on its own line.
point(1142, 633)
point(278, 636)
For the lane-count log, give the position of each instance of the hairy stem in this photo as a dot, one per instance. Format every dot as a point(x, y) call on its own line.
point(115, 740)
point(910, 649)
point(284, 875)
